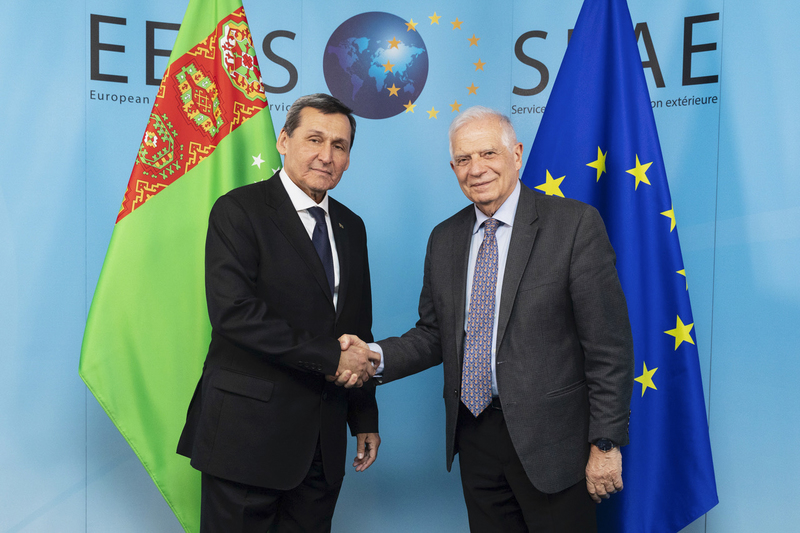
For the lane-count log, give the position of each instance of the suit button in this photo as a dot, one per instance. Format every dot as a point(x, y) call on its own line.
point(455, 393)
point(324, 395)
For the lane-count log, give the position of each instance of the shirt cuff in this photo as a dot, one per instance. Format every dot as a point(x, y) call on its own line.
point(375, 347)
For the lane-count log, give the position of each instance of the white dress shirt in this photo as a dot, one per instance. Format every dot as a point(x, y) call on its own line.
point(302, 202)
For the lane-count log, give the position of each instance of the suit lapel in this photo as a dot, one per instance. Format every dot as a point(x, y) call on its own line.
point(343, 250)
point(519, 252)
point(288, 222)
point(460, 255)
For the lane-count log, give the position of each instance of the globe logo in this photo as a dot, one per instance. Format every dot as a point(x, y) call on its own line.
point(374, 65)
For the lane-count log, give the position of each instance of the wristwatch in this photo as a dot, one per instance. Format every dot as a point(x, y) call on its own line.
point(605, 445)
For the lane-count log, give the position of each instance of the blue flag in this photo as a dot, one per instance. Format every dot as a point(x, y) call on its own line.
point(597, 142)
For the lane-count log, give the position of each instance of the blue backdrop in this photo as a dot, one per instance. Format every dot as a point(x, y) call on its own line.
point(722, 83)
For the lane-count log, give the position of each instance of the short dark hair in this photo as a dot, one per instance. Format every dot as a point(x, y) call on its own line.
point(324, 103)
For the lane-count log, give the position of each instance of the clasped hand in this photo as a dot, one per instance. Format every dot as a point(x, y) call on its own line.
point(357, 363)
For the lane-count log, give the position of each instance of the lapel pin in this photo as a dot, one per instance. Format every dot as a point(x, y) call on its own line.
point(340, 225)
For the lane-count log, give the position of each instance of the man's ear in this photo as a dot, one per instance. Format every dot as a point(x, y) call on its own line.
point(280, 144)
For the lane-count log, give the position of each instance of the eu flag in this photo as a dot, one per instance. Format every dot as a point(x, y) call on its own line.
point(597, 142)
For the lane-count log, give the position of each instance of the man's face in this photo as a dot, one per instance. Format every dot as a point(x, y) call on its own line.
point(318, 152)
point(486, 169)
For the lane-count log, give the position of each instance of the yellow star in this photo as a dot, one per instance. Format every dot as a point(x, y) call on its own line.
point(455, 106)
point(551, 186)
point(393, 90)
point(670, 215)
point(682, 332)
point(457, 24)
point(479, 65)
point(473, 41)
point(682, 272)
point(393, 43)
point(639, 172)
point(472, 89)
point(388, 66)
point(432, 113)
point(646, 379)
point(409, 106)
point(435, 18)
point(599, 163)
point(411, 25)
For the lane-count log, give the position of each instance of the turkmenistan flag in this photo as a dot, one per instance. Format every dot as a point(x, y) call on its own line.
point(148, 330)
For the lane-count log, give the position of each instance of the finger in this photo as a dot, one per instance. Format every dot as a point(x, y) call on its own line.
point(361, 444)
point(592, 492)
point(618, 483)
point(353, 381)
point(343, 378)
point(354, 340)
point(330, 378)
point(372, 449)
point(374, 358)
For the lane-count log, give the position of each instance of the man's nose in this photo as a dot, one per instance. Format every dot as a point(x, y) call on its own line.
point(476, 166)
point(325, 153)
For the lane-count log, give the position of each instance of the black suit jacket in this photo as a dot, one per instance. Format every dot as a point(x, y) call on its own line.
point(564, 344)
point(262, 402)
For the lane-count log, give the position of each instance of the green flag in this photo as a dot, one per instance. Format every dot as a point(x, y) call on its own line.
point(148, 330)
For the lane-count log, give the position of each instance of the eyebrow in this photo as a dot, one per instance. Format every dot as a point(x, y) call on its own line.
point(335, 139)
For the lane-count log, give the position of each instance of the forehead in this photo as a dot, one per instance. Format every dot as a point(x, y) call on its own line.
point(477, 135)
point(332, 124)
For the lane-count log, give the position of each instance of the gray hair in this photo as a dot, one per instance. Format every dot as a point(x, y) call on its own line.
point(324, 103)
point(507, 134)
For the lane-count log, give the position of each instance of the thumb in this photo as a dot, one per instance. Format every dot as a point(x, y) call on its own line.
point(360, 446)
point(344, 342)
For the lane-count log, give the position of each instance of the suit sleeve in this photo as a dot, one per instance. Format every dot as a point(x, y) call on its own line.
point(601, 315)
point(420, 348)
point(235, 310)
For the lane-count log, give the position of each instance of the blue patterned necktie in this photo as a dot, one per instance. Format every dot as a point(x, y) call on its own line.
point(476, 376)
point(322, 243)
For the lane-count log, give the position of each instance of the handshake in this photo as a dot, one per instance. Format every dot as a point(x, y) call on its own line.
point(357, 363)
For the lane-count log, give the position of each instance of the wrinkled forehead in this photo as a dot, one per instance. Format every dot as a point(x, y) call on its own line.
point(477, 136)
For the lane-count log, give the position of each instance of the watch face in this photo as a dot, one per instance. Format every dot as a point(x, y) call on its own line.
point(604, 445)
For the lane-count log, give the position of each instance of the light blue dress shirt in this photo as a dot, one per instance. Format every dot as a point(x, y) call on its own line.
point(505, 214)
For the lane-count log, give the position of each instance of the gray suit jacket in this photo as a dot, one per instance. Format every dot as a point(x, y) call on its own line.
point(564, 345)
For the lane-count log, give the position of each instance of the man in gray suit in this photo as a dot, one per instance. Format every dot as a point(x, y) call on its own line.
point(537, 388)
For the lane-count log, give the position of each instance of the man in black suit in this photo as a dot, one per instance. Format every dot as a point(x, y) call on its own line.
point(286, 274)
point(522, 304)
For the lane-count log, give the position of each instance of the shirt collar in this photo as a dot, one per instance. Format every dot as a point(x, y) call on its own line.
point(300, 200)
point(504, 214)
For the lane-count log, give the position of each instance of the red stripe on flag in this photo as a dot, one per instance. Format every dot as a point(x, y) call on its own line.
point(204, 95)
